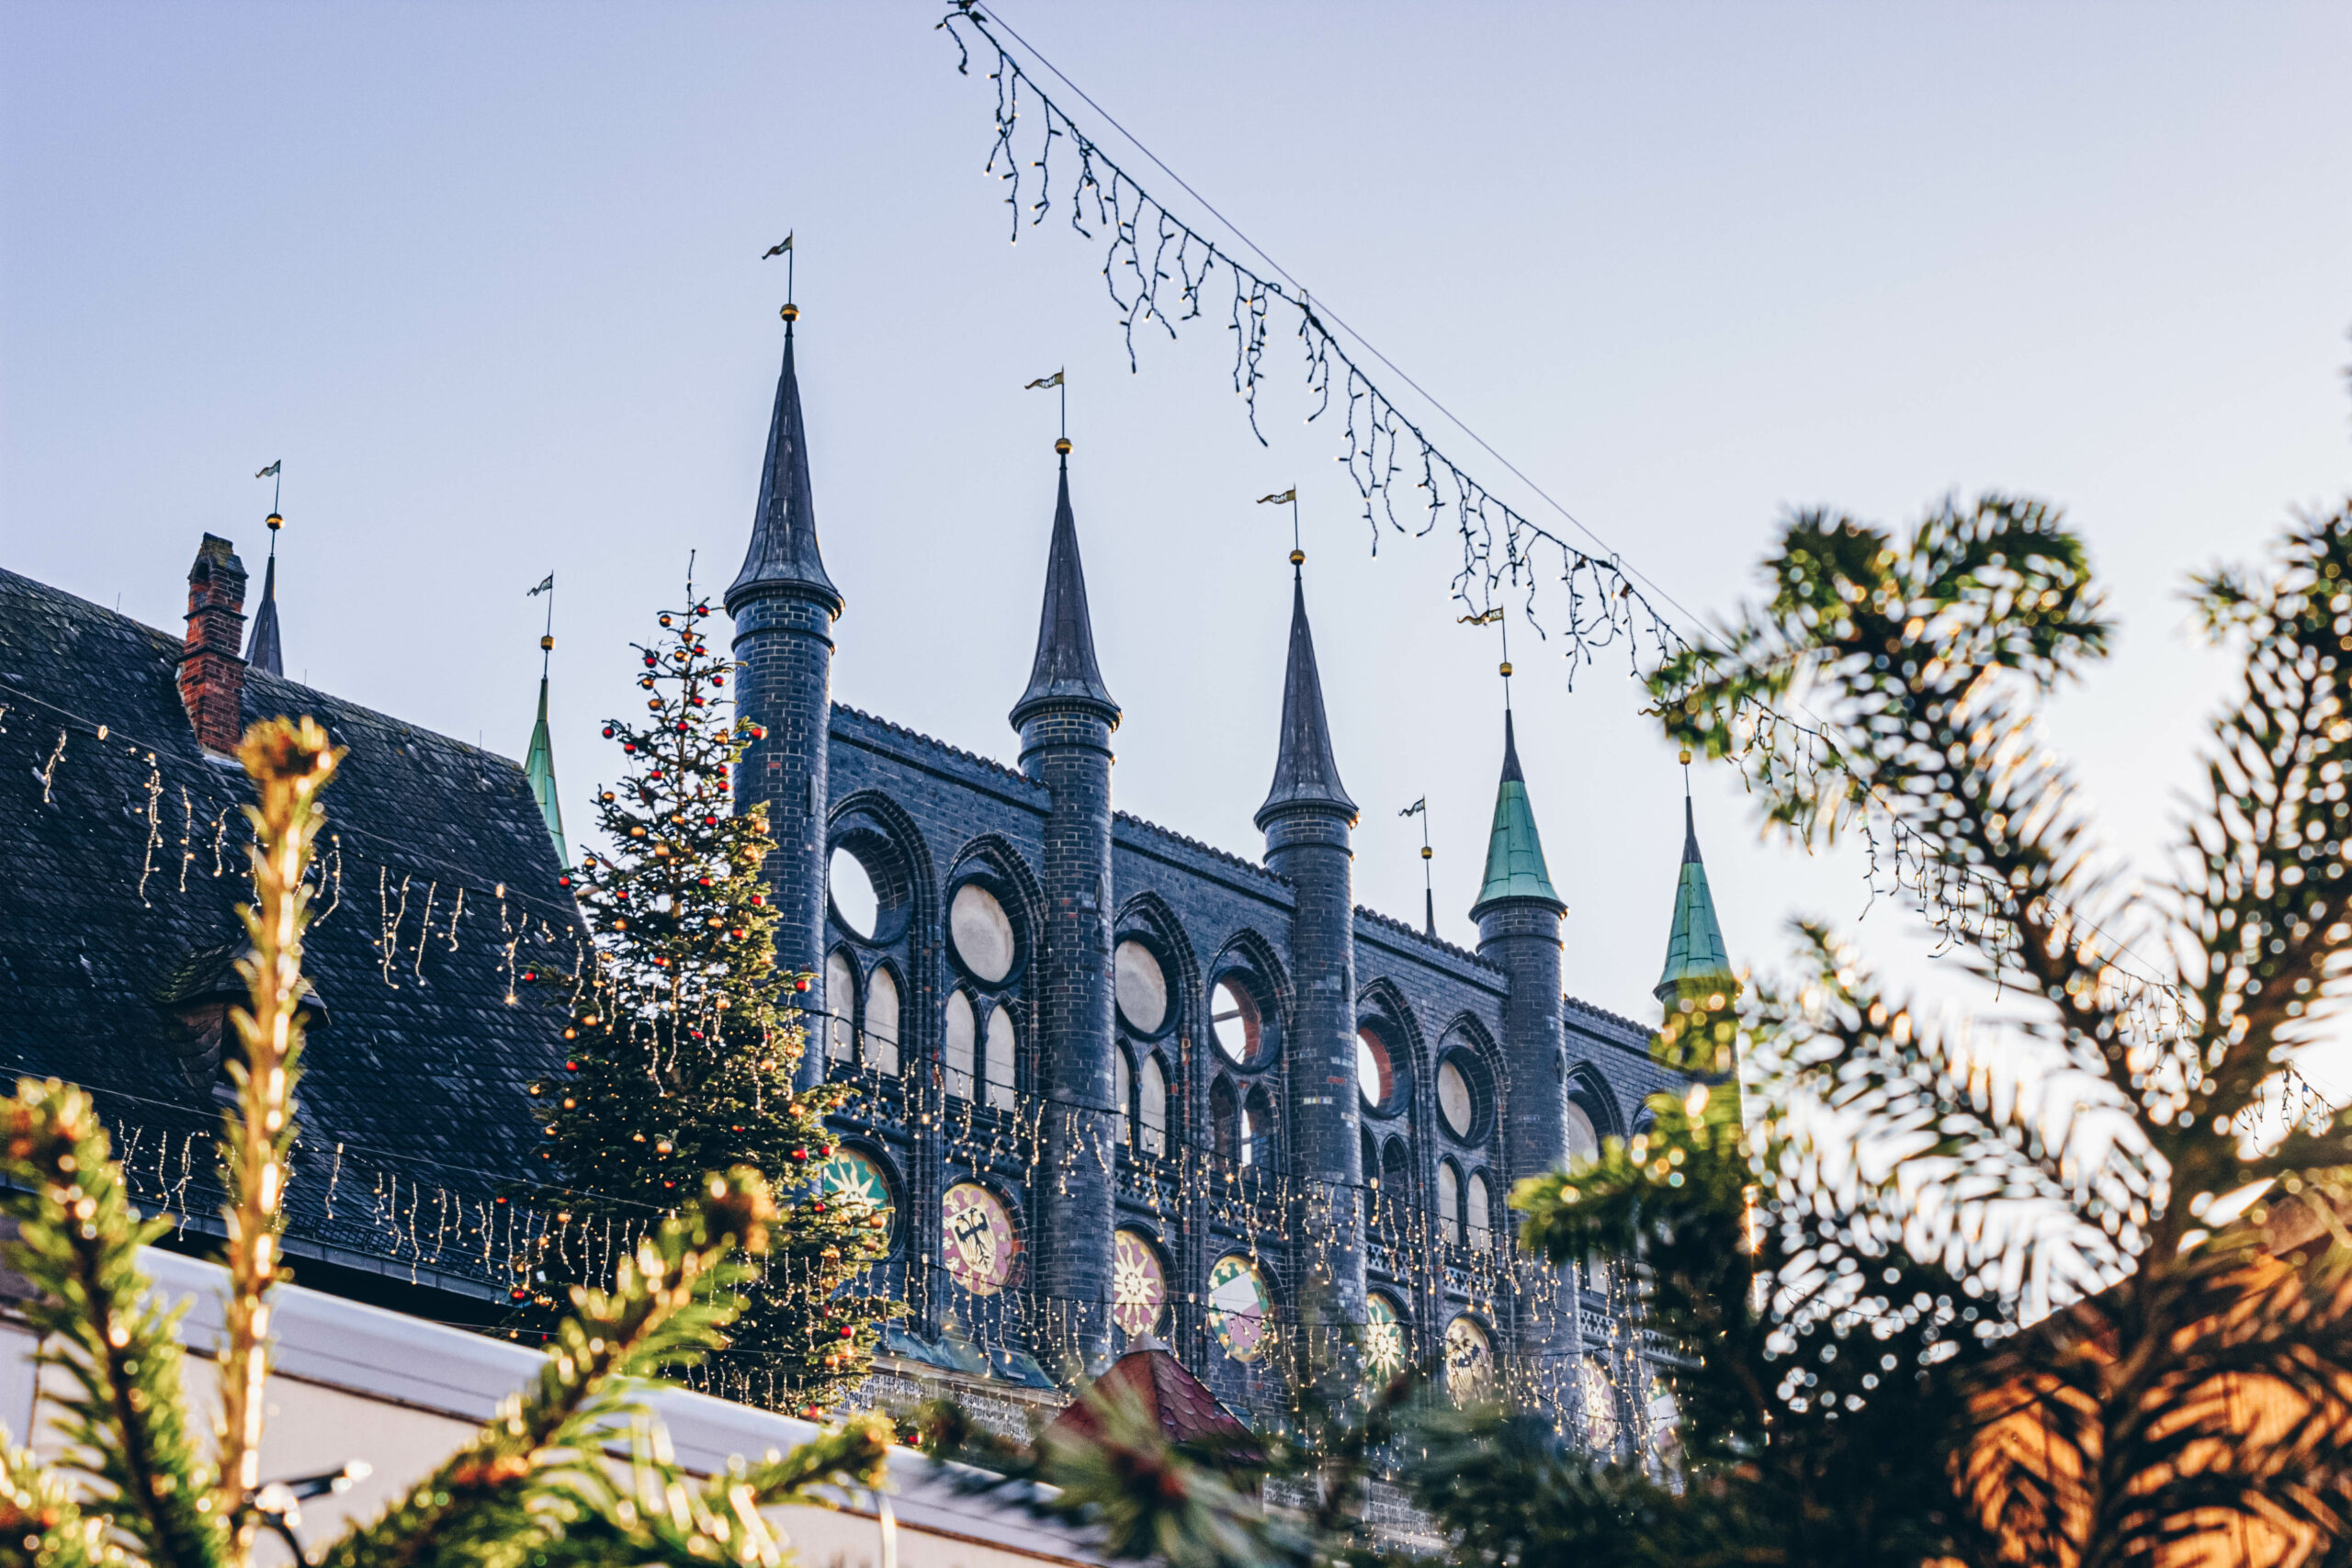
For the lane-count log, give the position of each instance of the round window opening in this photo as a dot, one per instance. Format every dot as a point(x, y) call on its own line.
point(855, 906)
point(981, 933)
point(1375, 1070)
point(1141, 988)
point(1235, 1020)
point(1455, 1101)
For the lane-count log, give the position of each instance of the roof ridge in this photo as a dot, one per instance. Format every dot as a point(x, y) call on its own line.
point(1599, 1011)
point(1228, 856)
point(936, 743)
point(1392, 922)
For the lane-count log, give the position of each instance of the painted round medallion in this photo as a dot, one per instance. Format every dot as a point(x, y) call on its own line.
point(1239, 1305)
point(1383, 1338)
point(983, 1251)
point(850, 1177)
point(1139, 1283)
point(1469, 1362)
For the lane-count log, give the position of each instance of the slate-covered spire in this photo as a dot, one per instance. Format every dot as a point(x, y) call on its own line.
point(1064, 674)
point(539, 765)
point(1515, 867)
point(1305, 771)
point(261, 645)
point(1694, 947)
point(784, 553)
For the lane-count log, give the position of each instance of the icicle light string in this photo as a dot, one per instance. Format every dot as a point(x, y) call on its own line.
point(1159, 268)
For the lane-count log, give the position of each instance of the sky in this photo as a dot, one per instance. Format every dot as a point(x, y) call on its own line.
point(486, 278)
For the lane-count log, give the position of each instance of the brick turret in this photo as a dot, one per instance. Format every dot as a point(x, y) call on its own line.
point(784, 608)
point(1066, 717)
point(1308, 819)
point(212, 672)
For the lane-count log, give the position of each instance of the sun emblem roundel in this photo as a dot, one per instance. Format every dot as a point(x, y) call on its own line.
point(1139, 1283)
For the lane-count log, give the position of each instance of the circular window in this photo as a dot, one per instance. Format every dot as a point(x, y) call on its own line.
point(855, 904)
point(1235, 1022)
point(1376, 1071)
point(1239, 1305)
point(1457, 1103)
point(983, 1252)
point(853, 1179)
point(981, 933)
point(1383, 1337)
point(1139, 1283)
point(1141, 988)
point(1583, 1142)
point(1469, 1363)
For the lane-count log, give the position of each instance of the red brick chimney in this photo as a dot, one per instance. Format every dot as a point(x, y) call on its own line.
point(212, 673)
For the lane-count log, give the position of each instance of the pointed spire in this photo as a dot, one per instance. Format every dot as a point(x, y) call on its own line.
point(1515, 867)
point(1305, 771)
point(262, 651)
point(1064, 673)
point(784, 553)
point(1694, 946)
point(538, 766)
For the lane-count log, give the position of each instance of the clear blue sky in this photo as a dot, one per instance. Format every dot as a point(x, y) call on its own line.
point(484, 278)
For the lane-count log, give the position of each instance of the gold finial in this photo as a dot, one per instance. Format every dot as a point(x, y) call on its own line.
point(1062, 445)
point(547, 645)
point(1427, 852)
point(1298, 558)
point(790, 312)
point(1506, 669)
point(274, 522)
point(1686, 755)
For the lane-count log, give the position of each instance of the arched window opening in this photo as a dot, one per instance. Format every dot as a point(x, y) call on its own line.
point(1583, 1142)
point(1449, 1204)
point(1257, 1129)
point(1002, 1045)
point(959, 1041)
point(1234, 1019)
point(1396, 1179)
point(882, 1025)
point(850, 887)
point(1122, 1094)
point(1152, 1112)
point(841, 1007)
point(1225, 1122)
point(1482, 1236)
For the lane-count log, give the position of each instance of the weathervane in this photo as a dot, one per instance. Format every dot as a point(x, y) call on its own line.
point(1297, 556)
point(791, 312)
point(1061, 443)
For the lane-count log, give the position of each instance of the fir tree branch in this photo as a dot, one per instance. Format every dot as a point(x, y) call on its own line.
point(668, 1303)
point(40, 1526)
point(121, 1420)
point(290, 762)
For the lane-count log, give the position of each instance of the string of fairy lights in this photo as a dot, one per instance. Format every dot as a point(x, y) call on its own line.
point(1161, 269)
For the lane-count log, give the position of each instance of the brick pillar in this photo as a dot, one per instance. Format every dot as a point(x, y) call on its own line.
point(783, 647)
point(212, 672)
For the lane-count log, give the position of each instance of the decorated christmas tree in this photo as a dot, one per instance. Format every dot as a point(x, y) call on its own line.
point(684, 1036)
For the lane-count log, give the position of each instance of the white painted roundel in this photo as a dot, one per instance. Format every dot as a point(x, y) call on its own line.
point(1453, 1101)
point(1142, 989)
point(981, 931)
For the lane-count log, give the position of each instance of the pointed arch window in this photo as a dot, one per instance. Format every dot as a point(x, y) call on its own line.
point(1257, 1129)
point(1449, 1204)
point(1152, 1107)
point(1225, 1122)
point(1122, 1092)
point(841, 1007)
point(958, 1039)
point(1478, 1203)
point(882, 1023)
point(1003, 1044)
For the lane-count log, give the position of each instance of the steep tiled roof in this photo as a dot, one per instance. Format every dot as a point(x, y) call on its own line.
point(124, 868)
point(1064, 674)
point(1167, 1391)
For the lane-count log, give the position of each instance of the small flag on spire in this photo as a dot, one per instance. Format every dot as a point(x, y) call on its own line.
point(271, 471)
point(1416, 808)
point(547, 587)
point(778, 249)
point(1484, 618)
point(1289, 495)
point(1053, 380)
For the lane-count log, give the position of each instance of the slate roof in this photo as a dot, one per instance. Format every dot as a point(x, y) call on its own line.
point(782, 556)
point(1064, 671)
point(1305, 771)
point(113, 919)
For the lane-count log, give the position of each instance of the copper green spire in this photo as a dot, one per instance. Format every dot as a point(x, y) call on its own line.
point(1694, 947)
point(1515, 866)
point(538, 762)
